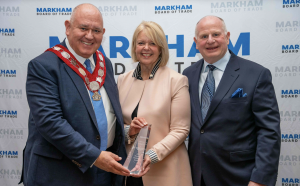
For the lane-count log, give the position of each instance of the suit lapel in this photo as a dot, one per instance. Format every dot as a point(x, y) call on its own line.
point(112, 91)
point(110, 88)
point(230, 75)
point(80, 85)
point(82, 91)
point(195, 89)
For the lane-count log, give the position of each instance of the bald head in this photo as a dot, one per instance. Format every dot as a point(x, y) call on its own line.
point(85, 30)
point(208, 18)
point(85, 7)
point(211, 38)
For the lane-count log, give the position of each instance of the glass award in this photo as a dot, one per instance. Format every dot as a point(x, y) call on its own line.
point(135, 158)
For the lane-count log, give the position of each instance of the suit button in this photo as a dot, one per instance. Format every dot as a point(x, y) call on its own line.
point(98, 137)
point(202, 131)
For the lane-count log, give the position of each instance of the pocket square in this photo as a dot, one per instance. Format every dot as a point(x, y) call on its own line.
point(238, 93)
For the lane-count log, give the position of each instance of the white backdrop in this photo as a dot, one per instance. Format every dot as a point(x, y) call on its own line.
point(264, 31)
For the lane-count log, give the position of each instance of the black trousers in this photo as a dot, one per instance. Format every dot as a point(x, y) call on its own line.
point(202, 181)
point(131, 181)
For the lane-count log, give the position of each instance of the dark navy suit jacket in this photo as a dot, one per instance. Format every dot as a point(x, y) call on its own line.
point(239, 139)
point(64, 140)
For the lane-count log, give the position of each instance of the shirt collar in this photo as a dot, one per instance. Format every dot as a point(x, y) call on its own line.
point(221, 64)
point(137, 72)
point(78, 57)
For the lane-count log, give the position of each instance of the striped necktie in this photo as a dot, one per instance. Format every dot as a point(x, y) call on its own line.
point(99, 112)
point(208, 91)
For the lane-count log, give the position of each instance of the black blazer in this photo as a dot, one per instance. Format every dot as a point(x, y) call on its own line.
point(63, 140)
point(239, 140)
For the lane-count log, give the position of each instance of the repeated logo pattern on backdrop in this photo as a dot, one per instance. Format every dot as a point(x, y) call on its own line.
point(263, 31)
point(9, 11)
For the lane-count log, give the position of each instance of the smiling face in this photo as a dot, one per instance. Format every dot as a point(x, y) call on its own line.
point(147, 52)
point(211, 39)
point(85, 30)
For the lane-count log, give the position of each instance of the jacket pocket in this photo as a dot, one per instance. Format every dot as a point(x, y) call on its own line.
point(235, 100)
point(48, 151)
point(242, 155)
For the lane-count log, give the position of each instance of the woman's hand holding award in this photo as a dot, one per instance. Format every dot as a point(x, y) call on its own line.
point(135, 158)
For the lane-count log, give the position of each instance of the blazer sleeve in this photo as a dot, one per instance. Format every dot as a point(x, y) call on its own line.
point(180, 119)
point(46, 108)
point(267, 120)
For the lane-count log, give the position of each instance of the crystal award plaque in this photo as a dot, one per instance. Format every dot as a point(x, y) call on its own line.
point(135, 158)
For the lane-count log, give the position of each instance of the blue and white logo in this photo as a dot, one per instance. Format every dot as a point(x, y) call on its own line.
point(119, 45)
point(8, 114)
point(290, 3)
point(7, 31)
point(8, 154)
point(291, 93)
point(290, 49)
point(290, 137)
point(290, 181)
point(8, 73)
point(53, 11)
point(171, 9)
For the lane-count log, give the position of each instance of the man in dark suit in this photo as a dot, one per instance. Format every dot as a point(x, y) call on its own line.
point(235, 130)
point(75, 125)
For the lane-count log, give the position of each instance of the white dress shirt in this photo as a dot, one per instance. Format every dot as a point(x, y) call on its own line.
point(218, 72)
point(109, 111)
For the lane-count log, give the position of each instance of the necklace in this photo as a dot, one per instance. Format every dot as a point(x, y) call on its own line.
point(92, 81)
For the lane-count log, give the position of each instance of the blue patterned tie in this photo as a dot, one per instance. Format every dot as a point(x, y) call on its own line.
point(99, 112)
point(208, 91)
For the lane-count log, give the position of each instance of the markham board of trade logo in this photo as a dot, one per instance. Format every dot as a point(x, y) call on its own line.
point(290, 48)
point(10, 174)
point(8, 73)
point(290, 181)
point(10, 93)
point(53, 11)
point(8, 154)
point(287, 71)
point(236, 6)
point(130, 10)
point(10, 52)
point(8, 114)
point(289, 160)
point(9, 11)
point(7, 31)
point(287, 26)
point(289, 116)
point(291, 3)
point(173, 9)
point(11, 134)
point(290, 137)
point(290, 93)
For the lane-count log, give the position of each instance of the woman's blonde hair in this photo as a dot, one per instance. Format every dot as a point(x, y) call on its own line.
point(154, 32)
